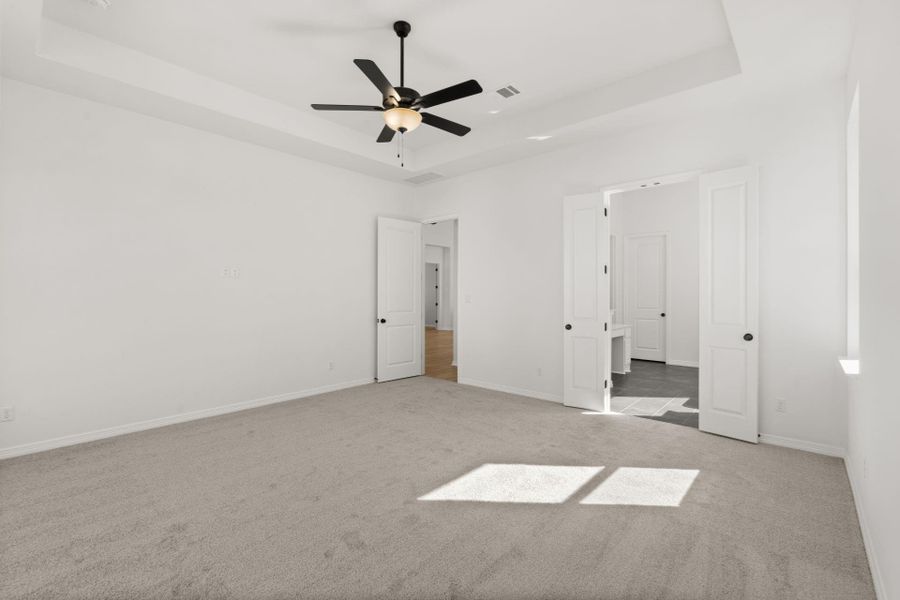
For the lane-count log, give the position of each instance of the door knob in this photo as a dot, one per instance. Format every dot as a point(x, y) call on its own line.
point(662, 314)
point(382, 320)
point(748, 337)
point(568, 326)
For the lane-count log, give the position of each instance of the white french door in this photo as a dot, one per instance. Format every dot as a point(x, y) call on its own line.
point(586, 301)
point(399, 318)
point(729, 283)
point(645, 295)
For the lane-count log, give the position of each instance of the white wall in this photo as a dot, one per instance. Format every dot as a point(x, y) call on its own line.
point(115, 229)
point(672, 209)
point(439, 233)
point(510, 251)
point(874, 403)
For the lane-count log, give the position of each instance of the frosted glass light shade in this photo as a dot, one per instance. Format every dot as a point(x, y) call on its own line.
point(404, 119)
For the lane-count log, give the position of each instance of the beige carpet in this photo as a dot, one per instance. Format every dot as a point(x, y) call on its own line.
point(318, 498)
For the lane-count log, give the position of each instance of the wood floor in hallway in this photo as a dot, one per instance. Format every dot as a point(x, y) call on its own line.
point(439, 354)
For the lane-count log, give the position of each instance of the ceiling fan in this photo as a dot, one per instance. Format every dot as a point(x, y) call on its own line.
point(402, 106)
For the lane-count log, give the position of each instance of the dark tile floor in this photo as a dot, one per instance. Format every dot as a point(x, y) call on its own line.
point(649, 379)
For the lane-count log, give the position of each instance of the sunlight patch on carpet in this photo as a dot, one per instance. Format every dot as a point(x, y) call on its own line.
point(536, 484)
point(643, 487)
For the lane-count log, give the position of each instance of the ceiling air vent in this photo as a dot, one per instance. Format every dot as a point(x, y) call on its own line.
point(425, 178)
point(508, 91)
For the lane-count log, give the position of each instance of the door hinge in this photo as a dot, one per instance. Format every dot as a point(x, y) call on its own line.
point(605, 269)
point(604, 212)
point(435, 303)
point(605, 383)
point(604, 326)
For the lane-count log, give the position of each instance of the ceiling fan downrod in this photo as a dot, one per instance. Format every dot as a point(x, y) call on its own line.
point(402, 29)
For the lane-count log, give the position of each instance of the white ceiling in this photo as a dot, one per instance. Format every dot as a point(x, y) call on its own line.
point(299, 52)
point(251, 69)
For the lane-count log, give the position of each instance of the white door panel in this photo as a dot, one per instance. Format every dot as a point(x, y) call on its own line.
point(399, 299)
point(645, 294)
point(729, 280)
point(586, 301)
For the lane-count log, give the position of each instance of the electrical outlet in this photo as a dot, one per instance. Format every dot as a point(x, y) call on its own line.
point(231, 273)
point(781, 405)
point(7, 414)
point(540, 372)
point(331, 365)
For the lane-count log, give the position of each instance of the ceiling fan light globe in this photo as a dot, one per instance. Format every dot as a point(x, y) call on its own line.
point(402, 119)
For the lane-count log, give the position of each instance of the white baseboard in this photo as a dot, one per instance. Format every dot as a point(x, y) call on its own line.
point(512, 390)
point(874, 569)
point(99, 434)
point(683, 363)
point(826, 449)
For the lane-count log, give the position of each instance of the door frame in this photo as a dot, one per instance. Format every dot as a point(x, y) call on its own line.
point(625, 295)
point(629, 186)
point(457, 321)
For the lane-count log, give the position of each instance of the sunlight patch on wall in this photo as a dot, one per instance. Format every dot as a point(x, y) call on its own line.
point(643, 487)
point(536, 484)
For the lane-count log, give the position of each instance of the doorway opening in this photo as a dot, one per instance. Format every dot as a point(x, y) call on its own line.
point(440, 241)
point(655, 301)
point(706, 317)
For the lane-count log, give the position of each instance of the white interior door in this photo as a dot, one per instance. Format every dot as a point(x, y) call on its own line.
point(399, 299)
point(645, 293)
point(586, 301)
point(729, 281)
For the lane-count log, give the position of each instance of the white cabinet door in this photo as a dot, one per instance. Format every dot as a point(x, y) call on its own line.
point(586, 301)
point(729, 282)
point(400, 325)
point(645, 289)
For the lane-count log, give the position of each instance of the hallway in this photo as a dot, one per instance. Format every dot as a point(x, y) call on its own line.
point(439, 354)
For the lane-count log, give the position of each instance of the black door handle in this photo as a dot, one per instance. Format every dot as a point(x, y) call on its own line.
point(662, 314)
point(382, 320)
point(748, 337)
point(568, 326)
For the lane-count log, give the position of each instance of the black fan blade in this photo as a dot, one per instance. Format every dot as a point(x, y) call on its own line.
point(446, 125)
point(371, 70)
point(454, 92)
point(387, 134)
point(346, 107)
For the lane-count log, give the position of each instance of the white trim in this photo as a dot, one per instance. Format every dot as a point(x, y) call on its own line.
point(638, 184)
point(815, 447)
point(683, 363)
point(99, 434)
point(440, 218)
point(874, 569)
point(512, 390)
point(454, 274)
